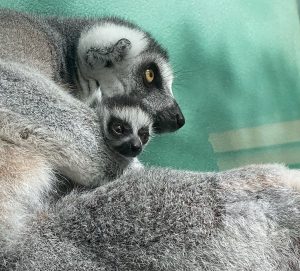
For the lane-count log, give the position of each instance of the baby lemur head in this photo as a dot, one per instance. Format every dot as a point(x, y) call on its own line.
point(127, 126)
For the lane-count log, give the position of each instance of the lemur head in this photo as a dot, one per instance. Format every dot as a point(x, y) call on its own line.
point(126, 125)
point(120, 58)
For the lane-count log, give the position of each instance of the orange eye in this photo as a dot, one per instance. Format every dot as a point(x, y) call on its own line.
point(149, 75)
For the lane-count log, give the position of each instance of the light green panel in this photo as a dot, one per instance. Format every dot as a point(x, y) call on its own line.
point(237, 65)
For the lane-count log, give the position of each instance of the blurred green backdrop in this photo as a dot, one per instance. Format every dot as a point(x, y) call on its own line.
point(237, 67)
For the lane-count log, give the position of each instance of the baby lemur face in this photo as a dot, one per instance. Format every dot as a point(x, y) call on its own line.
point(126, 124)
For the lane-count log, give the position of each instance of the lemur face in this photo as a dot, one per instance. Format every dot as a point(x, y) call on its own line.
point(127, 126)
point(116, 57)
point(124, 139)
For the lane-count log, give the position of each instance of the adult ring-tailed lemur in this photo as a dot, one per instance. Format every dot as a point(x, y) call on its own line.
point(91, 58)
point(95, 56)
point(151, 219)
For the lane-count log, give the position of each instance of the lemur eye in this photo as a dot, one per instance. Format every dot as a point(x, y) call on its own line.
point(118, 129)
point(144, 135)
point(149, 75)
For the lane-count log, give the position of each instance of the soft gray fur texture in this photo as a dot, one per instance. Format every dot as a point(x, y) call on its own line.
point(55, 125)
point(161, 219)
point(94, 57)
point(151, 219)
point(43, 131)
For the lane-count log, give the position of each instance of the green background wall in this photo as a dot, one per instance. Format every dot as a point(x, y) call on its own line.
point(237, 67)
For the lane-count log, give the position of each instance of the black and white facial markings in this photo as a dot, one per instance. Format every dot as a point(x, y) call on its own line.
point(116, 58)
point(126, 124)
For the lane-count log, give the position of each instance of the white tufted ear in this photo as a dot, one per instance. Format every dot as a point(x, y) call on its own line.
point(107, 43)
point(100, 57)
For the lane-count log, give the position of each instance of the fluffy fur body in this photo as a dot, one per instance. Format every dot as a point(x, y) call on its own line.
point(151, 219)
point(49, 121)
point(37, 114)
point(161, 219)
point(106, 56)
point(44, 130)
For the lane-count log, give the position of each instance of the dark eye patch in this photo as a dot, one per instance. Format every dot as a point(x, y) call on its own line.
point(144, 134)
point(144, 130)
point(108, 64)
point(117, 122)
point(157, 81)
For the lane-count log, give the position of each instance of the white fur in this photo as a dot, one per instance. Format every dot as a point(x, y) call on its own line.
point(22, 190)
point(95, 96)
point(116, 80)
point(104, 35)
point(134, 116)
point(167, 75)
point(107, 33)
point(291, 178)
point(135, 165)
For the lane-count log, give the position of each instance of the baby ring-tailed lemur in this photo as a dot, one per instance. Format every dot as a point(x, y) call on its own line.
point(126, 128)
point(107, 56)
point(126, 125)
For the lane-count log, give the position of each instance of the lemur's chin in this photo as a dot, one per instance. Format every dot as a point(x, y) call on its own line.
point(129, 153)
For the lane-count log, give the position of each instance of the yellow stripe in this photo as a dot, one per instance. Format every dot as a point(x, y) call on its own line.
point(256, 137)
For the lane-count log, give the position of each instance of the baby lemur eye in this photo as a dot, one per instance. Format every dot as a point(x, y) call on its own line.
point(118, 129)
point(144, 135)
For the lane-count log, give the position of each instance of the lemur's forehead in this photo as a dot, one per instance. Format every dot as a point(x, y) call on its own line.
point(134, 116)
point(108, 33)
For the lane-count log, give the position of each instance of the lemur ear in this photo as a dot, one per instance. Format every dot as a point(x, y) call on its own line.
point(106, 56)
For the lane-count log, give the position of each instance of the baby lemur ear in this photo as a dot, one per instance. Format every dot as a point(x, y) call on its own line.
point(106, 56)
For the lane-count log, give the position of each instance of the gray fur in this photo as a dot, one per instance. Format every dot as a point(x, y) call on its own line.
point(161, 219)
point(44, 130)
point(38, 114)
point(59, 127)
point(151, 219)
point(62, 50)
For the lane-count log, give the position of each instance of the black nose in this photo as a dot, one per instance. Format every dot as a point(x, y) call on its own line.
point(136, 148)
point(180, 120)
point(130, 148)
point(169, 119)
